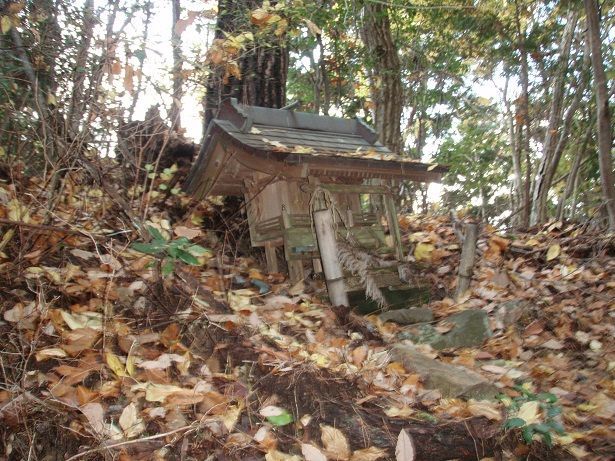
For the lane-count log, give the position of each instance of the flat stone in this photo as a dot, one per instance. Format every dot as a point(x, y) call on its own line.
point(450, 380)
point(471, 328)
point(408, 316)
point(510, 312)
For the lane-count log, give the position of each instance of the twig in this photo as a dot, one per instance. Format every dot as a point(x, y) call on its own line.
point(51, 228)
point(130, 442)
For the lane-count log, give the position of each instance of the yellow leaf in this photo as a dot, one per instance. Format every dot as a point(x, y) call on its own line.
point(2, 152)
point(335, 443)
point(130, 365)
point(115, 364)
point(17, 211)
point(51, 99)
point(422, 252)
point(530, 412)
point(5, 24)
point(230, 418)
point(259, 16)
point(553, 252)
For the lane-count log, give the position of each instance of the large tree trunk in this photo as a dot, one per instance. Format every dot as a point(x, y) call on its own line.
point(263, 67)
point(385, 74)
point(542, 184)
point(178, 80)
point(605, 136)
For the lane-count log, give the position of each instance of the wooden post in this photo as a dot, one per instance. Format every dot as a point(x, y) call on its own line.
point(394, 226)
point(272, 258)
point(327, 245)
point(466, 264)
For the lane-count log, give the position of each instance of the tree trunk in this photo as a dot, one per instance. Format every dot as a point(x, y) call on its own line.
point(574, 172)
point(523, 124)
point(385, 74)
point(264, 67)
point(542, 182)
point(77, 103)
point(178, 80)
point(605, 136)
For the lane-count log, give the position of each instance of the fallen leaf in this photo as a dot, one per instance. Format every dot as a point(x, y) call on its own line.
point(335, 443)
point(189, 233)
point(276, 415)
point(368, 454)
point(530, 412)
point(486, 408)
point(114, 362)
point(553, 252)
point(553, 344)
point(422, 251)
point(50, 353)
point(130, 421)
point(312, 453)
point(275, 455)
point(95, 414)
point(404, 450)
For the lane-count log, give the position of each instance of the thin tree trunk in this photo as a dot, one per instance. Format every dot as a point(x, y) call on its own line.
point(605, 136)
point(574, 171)
point(141, 57)
point(77, 103)
point(178, 80)
point(542, 182)
point(386, 74)
point(523, 122)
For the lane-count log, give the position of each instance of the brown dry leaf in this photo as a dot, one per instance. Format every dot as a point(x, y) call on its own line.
point(131, 422)
point(50, 353)
point(368, 454)
point(73, 375)
point(485, 408)
point(605, 406)
point(95, 414)
point(312, 453)
point(189, 233)
point(170, 335)
point(275, 455)
point(335, 443)
point(359, 355)
point(85, 395)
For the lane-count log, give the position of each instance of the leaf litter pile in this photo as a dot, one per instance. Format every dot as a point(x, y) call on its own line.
point(191, 352)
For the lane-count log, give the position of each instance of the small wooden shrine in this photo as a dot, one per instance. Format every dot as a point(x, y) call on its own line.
point(288, 164)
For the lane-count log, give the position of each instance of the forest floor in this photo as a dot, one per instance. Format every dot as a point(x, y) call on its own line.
point(102, 357)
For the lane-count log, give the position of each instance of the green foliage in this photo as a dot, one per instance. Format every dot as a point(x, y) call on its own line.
point(479, 161)
point(544, 422)
point(171, 251)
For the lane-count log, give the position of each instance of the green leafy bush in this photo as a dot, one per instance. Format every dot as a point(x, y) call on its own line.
point(171, 251)
point(533, 414)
